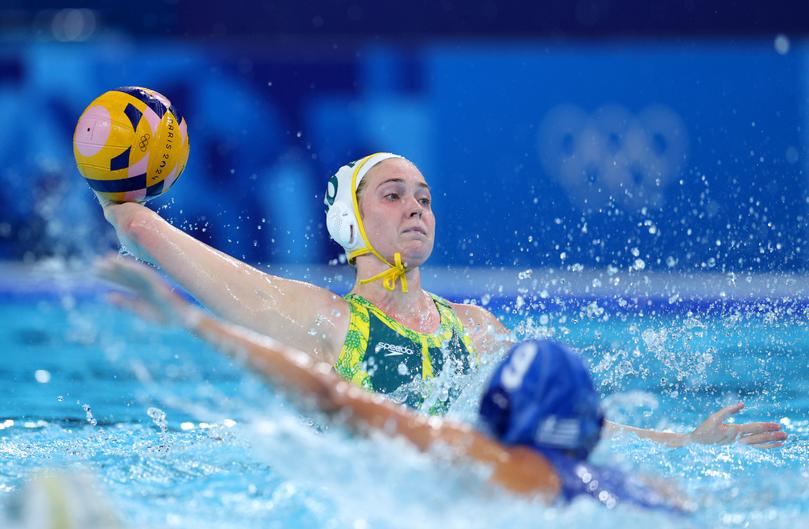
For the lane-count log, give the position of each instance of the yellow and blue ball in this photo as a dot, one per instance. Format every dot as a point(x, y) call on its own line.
point(131, 144)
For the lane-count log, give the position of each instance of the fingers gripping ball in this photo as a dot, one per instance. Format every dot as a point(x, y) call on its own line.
point(131, 144)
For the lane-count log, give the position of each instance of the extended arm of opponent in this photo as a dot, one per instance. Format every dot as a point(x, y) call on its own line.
point(490, 335)
point(714, 430)
point(515, 468)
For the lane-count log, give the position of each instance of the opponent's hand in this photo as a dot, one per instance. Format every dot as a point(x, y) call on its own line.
point(153, 298)
point(758, 434)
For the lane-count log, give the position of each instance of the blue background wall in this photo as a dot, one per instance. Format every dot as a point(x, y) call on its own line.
point(689, 156)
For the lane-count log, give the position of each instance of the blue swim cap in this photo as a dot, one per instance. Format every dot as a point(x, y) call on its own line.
point(541, 395)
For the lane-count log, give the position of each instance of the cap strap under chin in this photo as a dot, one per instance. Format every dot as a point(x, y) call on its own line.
point(389, 277)
point(397, 271)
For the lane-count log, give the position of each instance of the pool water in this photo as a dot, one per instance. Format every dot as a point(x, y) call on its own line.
point(177, 436)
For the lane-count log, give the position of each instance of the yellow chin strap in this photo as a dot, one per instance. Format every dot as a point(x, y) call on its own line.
point(389, 277)
point(397, 271)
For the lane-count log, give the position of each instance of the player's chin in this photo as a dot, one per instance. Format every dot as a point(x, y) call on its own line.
point(415, 253)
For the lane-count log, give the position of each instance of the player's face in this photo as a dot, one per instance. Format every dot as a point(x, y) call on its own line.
point(397, 213)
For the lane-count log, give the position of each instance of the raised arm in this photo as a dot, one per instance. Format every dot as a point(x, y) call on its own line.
point(303, 315)
point(517, 469)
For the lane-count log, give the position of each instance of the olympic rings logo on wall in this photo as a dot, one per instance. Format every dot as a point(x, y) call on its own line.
point(613, 155)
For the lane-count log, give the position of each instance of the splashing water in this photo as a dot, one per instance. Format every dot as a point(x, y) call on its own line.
point(89, 414)
point(146, 387)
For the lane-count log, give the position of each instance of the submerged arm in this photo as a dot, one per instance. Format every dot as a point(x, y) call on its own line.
point(301, 314)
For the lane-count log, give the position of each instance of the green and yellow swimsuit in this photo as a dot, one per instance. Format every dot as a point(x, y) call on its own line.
point(382, 355)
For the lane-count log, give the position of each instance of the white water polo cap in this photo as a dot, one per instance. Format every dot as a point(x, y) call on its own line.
point(344, 222)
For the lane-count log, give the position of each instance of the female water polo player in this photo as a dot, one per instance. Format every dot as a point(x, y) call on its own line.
point(388, 334)
point(540, 415)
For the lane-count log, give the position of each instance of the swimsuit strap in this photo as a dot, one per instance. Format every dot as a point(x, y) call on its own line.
point(448, 313)
point(349, 364)
point(443, 333)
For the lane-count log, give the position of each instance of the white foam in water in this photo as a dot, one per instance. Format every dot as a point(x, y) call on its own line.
point(383, 482)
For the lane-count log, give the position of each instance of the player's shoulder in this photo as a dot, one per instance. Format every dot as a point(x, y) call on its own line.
point(472, 313)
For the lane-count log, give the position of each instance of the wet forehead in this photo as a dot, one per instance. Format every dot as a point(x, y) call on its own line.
point(394, 169)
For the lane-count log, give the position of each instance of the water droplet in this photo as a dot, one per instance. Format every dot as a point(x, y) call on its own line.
point(88, 412)
point(158, 416)
point(593, 310)
point(674, 298)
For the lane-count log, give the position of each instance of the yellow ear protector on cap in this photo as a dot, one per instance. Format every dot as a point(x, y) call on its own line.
point(344, 222)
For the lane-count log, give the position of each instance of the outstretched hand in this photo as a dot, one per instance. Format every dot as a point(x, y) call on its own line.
point(153, 298)
point(714, 430)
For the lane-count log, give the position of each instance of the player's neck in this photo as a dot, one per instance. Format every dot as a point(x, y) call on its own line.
point(414, 309)
point(391, 301)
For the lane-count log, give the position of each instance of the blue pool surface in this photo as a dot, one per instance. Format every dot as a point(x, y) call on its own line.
point(177, 436)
